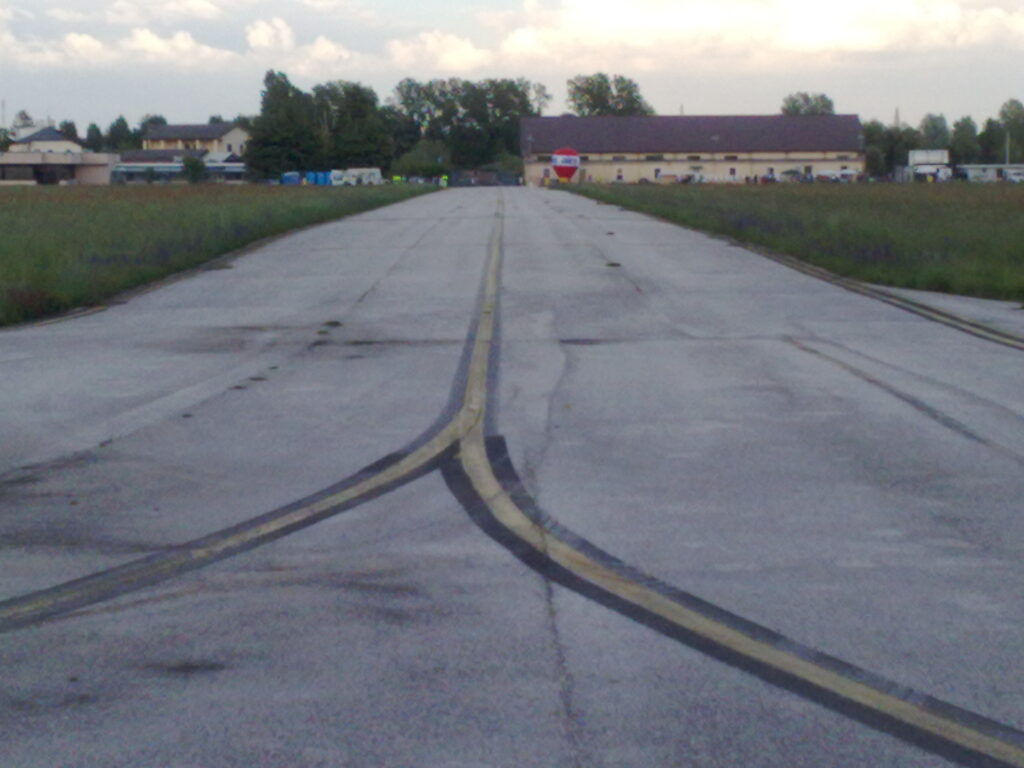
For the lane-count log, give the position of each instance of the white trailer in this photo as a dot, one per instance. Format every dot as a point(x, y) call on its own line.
point(354, 177)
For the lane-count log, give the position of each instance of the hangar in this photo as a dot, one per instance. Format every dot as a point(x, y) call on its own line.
point(669, 149)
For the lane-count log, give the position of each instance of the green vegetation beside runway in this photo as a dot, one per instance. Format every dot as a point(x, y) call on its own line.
point(954, 238)
point(68, 247)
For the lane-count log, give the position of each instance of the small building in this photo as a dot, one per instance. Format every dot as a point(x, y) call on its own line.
point(49, 157)
point(988, 172)
point(214, 137)
point(672, 149)
point(168, 165)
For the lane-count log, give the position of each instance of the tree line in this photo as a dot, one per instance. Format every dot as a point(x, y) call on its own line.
point(118, 137)
point(428, 128)
point(1001, 138)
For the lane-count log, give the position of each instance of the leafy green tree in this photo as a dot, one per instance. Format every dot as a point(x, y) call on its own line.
point(69, 129)
point(145, 124)
point(899, 141)
point(992, 140)
point(349, 126)
point(539, 98)
point(1011, 115)
point(600, 95)
point(120, 137)
point(803, 103)
point(934, 132)
point(874, 161)
point(5, 139)
point(94, 138)
point(215, 120)
point(964, 146)
point(401, 128)
point(477, 121)
point(284, 134)
point(428, 158)
point(194, 169)
point(244, 121)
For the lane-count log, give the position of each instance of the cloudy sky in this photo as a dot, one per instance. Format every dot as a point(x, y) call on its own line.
point(91, 60)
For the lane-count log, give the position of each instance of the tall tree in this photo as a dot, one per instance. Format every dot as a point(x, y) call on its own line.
point(120, 137)
point(875, 148)
point(1011, 115)
point(69, 129)
point(803, 103)
point(350, 129)
point(94, 138)
point(402, 129)
point(145, 124)
point(284, 134)
point(478, 122)
point(600, 95)
point(5, 139)
point(215, 120)
point(934, 132)
point(964, 146)
point(899, 141)
point(428, 158)
point(992, 140)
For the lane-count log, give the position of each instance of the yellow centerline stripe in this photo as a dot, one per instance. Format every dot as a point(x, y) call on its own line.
point(467, 429)
point(50, 601)
point(477, 466)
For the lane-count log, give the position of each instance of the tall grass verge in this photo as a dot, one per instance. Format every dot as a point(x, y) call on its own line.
point(955, 238)
point(67, 247)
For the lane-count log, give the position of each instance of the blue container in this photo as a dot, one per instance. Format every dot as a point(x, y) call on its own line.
point(323, 178)
point(291, 178)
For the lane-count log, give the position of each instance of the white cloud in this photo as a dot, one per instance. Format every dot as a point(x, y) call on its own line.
point(66, 15)
point(180, 48)
point(349, 8)
point(198, 9)
point(270, 35)
point(322, 57)
point(86, 49)
point(124, 12)
point(439, 50)
point(670, 30)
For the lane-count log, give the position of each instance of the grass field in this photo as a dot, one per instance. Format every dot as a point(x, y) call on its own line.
point(955, 238)
point(67, 247)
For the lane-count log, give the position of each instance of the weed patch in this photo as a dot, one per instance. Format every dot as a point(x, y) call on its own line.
point(954, 238)
point(68, 247)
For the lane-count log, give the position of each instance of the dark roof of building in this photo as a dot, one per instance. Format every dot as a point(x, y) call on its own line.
point(730, 133)
point(46, 134)
point(198, 132)
point(160, 155)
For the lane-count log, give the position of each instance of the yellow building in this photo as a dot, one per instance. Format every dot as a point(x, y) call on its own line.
point(667, 149)
point(216, 137)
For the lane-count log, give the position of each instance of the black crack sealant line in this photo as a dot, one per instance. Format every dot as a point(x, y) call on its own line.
point(474, 461)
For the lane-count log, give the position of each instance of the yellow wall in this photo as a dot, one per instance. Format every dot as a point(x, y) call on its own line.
point(233, 141)
point(718, 167)
point(46, 146)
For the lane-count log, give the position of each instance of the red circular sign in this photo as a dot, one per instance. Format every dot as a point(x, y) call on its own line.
point(565, 161)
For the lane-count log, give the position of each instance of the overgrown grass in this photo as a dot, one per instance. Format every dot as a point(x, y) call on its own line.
point(67, 247)
point(955, 238)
